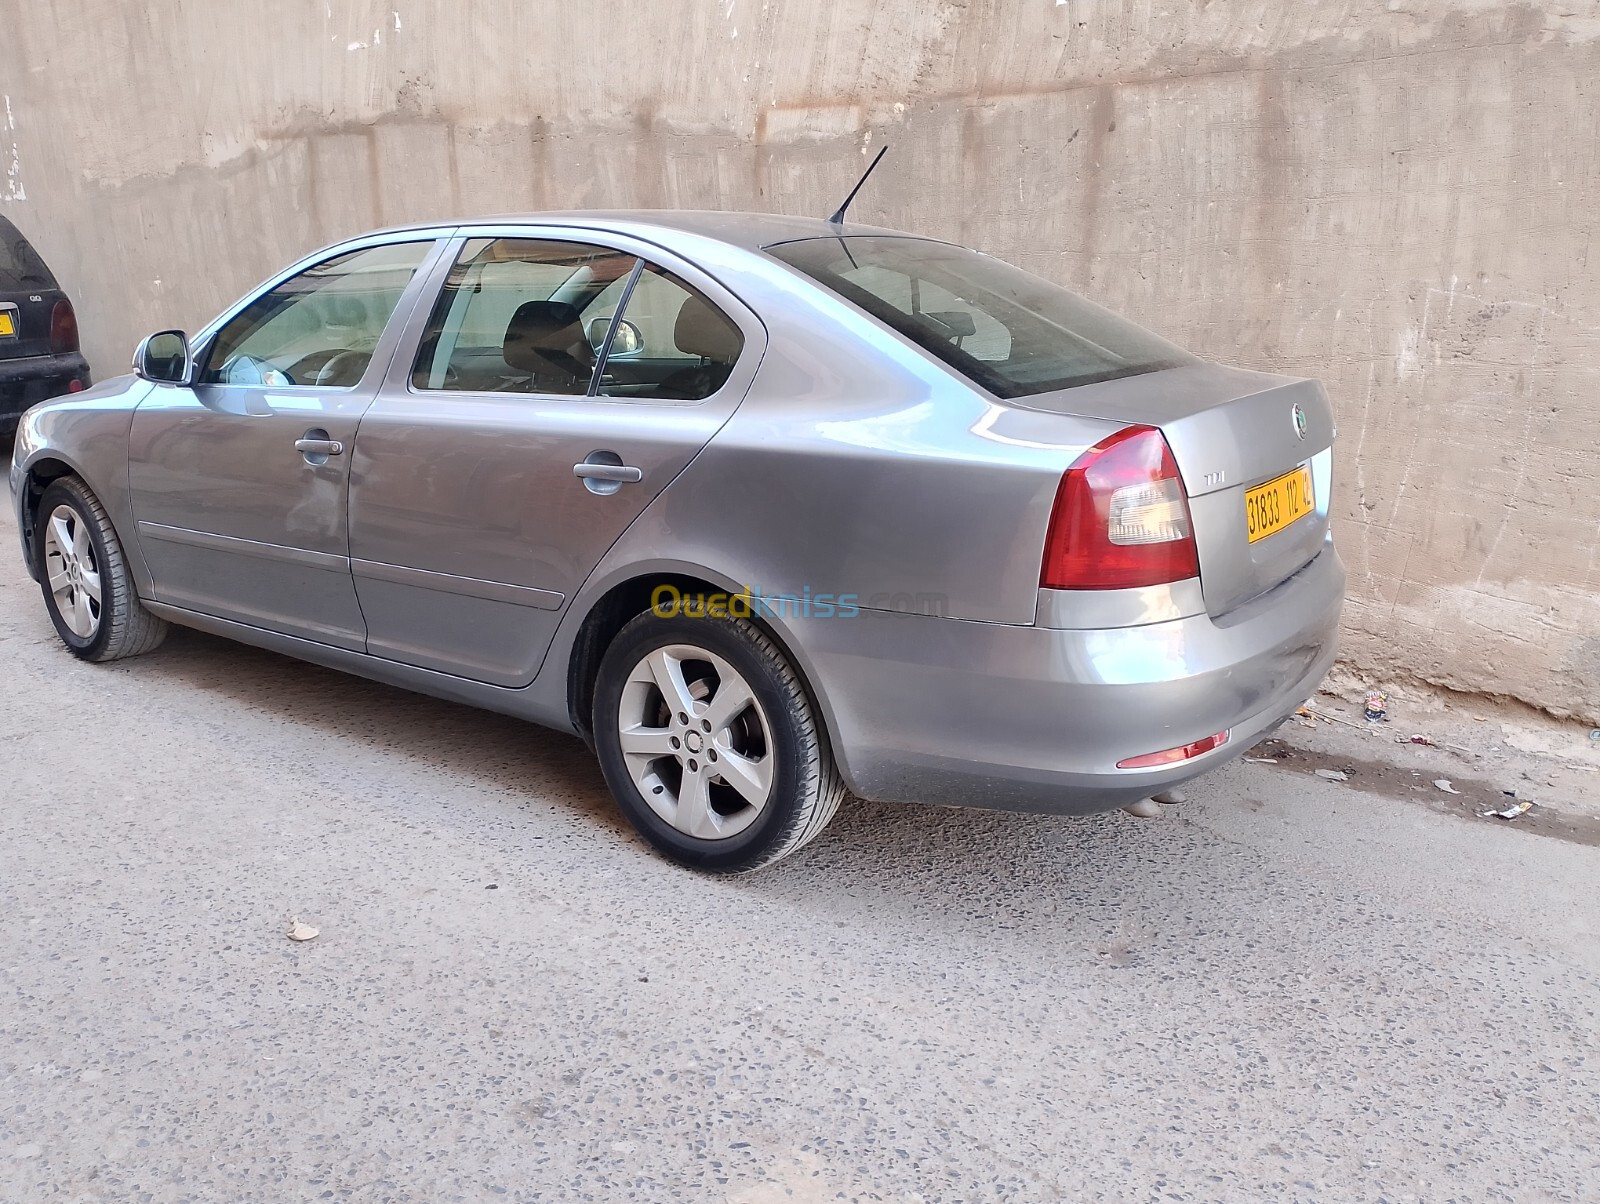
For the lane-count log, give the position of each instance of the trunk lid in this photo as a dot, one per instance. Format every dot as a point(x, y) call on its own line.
point(25, 320)
point(1230, 430)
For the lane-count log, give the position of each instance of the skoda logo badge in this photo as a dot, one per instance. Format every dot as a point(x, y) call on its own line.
point(1299, 420)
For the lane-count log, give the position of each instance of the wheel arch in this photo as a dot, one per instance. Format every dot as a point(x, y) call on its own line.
point(37, 477)
point(612, 610)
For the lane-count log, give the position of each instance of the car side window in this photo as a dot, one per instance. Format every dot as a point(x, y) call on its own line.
point(319, 328)
point(672, 344)
point(522, 315)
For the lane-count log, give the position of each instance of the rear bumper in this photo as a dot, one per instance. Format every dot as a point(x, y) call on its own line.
point(26, 382)
point(1036, 719)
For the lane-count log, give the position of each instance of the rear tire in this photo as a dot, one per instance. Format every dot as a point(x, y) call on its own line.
point(85, 580)
point(710, 743)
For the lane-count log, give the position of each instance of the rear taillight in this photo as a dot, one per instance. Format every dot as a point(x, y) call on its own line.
point(1121, 519)
point(63, 329)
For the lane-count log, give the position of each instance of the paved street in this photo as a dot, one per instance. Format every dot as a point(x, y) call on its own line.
point(1285, 990)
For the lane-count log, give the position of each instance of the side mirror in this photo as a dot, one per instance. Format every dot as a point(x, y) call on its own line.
point(629, 339)
point(164, 359)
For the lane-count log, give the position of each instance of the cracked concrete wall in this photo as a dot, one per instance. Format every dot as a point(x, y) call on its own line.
point(1399, 199)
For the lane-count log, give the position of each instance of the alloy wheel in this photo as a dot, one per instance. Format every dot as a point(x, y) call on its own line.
point(696, 742)
point(73, 572)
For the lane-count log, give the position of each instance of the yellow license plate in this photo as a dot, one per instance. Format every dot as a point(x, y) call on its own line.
point(1270, 508)
point(8, 327)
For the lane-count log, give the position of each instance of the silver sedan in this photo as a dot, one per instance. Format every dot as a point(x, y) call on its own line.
point(765, 509)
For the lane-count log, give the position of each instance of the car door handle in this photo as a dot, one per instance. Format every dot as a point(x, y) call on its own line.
point(624, 474)
point(319, 447)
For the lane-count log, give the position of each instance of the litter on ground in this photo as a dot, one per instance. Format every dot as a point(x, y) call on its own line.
point(1521, 807)
point(1331, 718)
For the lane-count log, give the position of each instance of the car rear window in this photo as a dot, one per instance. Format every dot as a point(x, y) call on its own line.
point(1004, 329)
point(20, 265)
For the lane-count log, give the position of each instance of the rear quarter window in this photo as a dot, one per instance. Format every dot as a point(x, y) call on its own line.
point(20, 265)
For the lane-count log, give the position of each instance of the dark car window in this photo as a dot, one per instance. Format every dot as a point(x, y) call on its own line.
point(319, 328)
point(521, 315)
point(1005, 329)
point(20, 265)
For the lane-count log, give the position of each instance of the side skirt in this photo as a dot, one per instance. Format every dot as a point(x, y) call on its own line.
point(516, 702)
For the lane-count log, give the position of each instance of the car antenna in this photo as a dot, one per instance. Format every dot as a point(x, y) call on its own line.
point(838, 218)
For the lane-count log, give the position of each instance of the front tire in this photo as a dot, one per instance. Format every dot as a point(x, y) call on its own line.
point(710, 744)
point(84, 576)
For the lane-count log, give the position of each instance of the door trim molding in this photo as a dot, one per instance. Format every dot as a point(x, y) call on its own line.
point(449, 583)
point(245, 547)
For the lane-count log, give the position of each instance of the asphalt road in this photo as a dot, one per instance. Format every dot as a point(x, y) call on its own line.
point(1286, 990)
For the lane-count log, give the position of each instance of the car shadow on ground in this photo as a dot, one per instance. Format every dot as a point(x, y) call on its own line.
point(966, 865)
point(492, 751)
point(901, 846)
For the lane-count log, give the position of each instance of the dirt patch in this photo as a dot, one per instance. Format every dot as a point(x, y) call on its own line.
point(1416, 786)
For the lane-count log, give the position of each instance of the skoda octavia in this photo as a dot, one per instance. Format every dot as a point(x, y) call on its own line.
point(765, 509)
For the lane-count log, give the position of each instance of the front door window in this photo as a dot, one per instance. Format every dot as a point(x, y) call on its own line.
point(318, 329)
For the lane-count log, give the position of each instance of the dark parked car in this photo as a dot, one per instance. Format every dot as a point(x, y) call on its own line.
point(38, 332)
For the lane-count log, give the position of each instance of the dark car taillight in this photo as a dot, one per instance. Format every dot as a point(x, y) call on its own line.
point(63, 329)
point(1121, 518)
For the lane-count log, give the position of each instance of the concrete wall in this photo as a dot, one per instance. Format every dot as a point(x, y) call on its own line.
point(1399, 198)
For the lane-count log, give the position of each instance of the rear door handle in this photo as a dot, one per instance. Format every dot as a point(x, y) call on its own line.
point(603, 472)
point(623, 474)
point(319, 447)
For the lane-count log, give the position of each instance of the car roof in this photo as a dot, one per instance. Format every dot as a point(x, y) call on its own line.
point(752, 231)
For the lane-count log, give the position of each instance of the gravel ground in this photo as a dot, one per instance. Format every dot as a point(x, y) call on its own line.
point(1286, 989)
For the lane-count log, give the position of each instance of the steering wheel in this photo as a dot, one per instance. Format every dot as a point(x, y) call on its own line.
point(338, 363)
point(252, 370)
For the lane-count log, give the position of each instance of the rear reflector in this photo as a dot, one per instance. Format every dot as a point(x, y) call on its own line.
point(1172, 756)
point(1121, 518)
point(76, 386)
